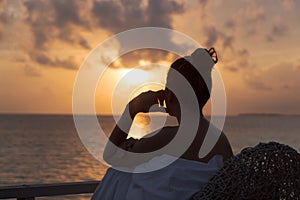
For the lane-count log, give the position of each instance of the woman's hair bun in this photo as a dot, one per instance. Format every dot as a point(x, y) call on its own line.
point(203, 60)
point(213, 54)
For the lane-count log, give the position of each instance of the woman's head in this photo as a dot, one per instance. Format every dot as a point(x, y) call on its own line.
point(196, 69)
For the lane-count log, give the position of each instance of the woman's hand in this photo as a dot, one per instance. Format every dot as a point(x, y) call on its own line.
point(144, 101)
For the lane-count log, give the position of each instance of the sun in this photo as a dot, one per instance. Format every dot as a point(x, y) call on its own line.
point(135, 76)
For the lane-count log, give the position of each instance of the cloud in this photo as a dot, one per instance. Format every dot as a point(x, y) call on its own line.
point(249, 18)
point(254, 14)
point(117, 16)
point(50, 20)
point(288, 4)
point(236, 60)
point(40, 23)
point(277, 31)
point(282, 78)
point(212, 36)
point(230, 23)
point(43, 23)
point(42, 59)
point(11, 10)
point(1, 33)
point(84, 43)
point(61, 20)
point(232, 57)
point(283, 74)
point(203, 2)
point(109, 15)
point(160, 12)
point(67, 12)
point(248, 22)
point(228, 41)
point(256, 83)
point(218, 37)
point(232, 68)
point(32, 71)
point(254, 18)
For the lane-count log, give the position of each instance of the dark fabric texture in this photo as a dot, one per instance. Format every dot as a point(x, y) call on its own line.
point(266, 171)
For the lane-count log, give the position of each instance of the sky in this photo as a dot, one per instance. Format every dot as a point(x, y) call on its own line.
point(43, 44)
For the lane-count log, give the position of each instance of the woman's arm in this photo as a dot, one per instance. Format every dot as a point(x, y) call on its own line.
point(118, 138)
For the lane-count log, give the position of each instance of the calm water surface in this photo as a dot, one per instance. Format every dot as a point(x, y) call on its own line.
point(47, 149)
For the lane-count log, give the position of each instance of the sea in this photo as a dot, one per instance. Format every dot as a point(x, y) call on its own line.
point(39, 149)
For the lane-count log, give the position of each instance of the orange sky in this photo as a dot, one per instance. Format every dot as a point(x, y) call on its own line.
point(43, 44)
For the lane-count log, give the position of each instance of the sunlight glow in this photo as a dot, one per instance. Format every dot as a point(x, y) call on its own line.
point(144, 62)
point(135, 76)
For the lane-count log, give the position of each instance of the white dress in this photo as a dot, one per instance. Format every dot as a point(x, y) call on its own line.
point(179, 180)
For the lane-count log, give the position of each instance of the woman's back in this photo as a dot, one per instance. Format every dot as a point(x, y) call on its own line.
point(222, 147)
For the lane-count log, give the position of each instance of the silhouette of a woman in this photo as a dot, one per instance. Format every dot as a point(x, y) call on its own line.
point(188, 174)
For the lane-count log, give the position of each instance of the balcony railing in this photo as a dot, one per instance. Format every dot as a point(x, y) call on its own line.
point(29, 192)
